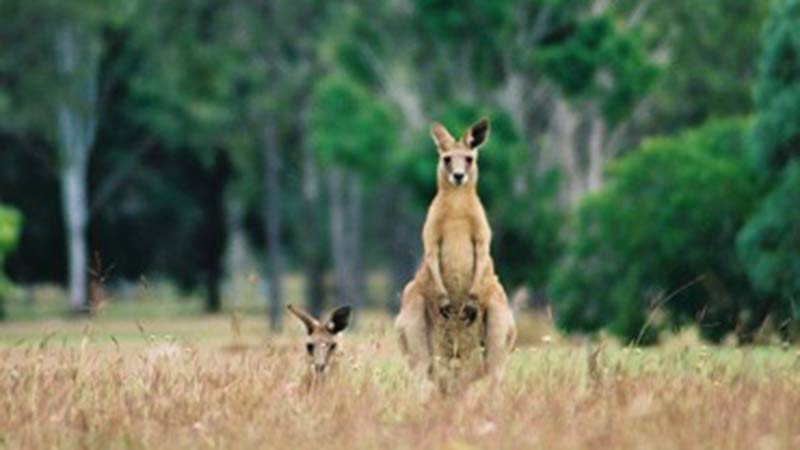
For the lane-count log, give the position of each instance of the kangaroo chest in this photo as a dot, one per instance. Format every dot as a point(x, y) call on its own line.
point(457, 258)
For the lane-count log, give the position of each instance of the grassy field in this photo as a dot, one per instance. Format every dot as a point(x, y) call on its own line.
point(225, 383)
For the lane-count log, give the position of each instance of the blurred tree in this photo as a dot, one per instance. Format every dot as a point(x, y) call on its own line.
point(10, 224)
point(281, 67)
point(769, 244)
point(184, 92)
point(56, 77)
point(603, 69)
point(709, 48)
point(352, 135)
point(658, 241)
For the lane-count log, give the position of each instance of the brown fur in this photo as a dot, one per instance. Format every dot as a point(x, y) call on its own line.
point(321, 345)
point(455, 312)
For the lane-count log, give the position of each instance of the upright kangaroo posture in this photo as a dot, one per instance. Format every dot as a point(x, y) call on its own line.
point(455, 310)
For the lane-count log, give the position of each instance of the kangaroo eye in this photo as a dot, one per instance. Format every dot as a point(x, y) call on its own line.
point(310, 348)
point(469, 159)
point(446, 160)
point(333, 346)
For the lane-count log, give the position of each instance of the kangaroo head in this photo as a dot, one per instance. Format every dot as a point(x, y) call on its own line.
point(321, 342)
point(458, 158)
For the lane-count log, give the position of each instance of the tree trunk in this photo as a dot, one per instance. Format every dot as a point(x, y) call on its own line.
point(346, 198)
point(339, 248)
point(215, 231)
point(237, 261)
point(75, 207)
point(597, 139)
point(355, 237)
point(272, 222)
point(565, 121)
point(403, 246)
point(77, 57)
point(315, 299)
point(346, 237)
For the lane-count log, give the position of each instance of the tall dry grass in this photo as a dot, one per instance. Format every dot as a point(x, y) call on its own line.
point(165, 394)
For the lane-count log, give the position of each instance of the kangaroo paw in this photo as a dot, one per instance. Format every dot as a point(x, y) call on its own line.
point(468, 314)
point(447, 310)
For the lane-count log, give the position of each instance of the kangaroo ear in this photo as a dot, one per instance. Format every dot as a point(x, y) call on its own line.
point(310, 322)
point(441, 136)
point(339, 320)
point(477, 134)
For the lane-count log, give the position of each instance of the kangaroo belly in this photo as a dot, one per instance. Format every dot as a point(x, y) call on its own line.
point(457, 259)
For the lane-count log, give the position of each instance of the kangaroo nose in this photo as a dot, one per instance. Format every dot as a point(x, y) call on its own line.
point(319, 368)
point(458, 177)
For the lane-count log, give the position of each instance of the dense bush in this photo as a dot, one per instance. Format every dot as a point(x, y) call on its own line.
point(769, 244)
point(661, 234)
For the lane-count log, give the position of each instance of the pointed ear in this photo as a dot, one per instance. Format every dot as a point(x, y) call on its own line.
point(477, 134)
point(339, 320)
point(441, 136)
point(310, 322)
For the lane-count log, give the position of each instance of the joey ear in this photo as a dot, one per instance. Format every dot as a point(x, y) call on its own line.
point(310, 322)
point(441, 136)
point(477, 134)
point(339, 320)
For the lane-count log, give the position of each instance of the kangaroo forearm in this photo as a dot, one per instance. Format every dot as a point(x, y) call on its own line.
point(480, 269)
point(481, 262)
point(436, 273)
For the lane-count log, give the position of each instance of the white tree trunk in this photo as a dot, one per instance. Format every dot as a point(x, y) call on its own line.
point(77, 58)
point(565, 123)
point(597, 157)
point(75, 208)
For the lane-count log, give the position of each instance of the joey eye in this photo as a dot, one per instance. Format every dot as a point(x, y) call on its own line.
point(446, 160)
point(333, 346)
point(469, 159)
point(310, 348)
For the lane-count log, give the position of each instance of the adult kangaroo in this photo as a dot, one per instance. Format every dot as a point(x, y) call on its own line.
point(455, 322)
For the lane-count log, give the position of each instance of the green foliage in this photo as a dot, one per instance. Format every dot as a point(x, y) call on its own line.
point(184, 88)
point(662, 230)
point(598, 60)
point(468, 36)
point(710, 49)
point(769, 244)
point(351, 128)
point(777, 132)
point(10, 225)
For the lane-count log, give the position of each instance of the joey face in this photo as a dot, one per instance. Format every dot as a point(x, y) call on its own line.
point(320, 348)
point(321, 343)
point(458, 159)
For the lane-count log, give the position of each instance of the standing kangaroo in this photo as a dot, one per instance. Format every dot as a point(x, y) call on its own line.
point(455, 310)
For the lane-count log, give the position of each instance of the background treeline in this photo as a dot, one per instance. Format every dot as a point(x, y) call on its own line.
point(642, 172)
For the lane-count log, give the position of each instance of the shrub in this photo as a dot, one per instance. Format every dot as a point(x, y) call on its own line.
point(661, 234)
point(769, 244)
